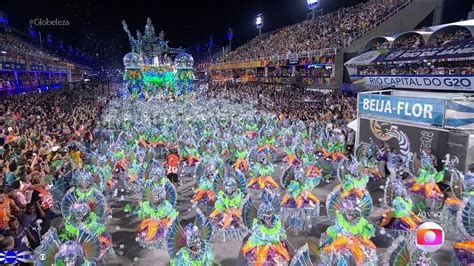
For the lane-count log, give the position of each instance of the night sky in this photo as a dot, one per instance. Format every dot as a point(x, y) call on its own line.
point(95, 26)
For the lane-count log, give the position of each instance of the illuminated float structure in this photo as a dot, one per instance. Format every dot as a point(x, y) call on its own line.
point(155, 73)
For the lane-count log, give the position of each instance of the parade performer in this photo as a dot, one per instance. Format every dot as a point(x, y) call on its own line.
point(348, 240)
point(250, 127)
point(400, 216)
point(84, 191)
point(353, 179)
point(403, 252)
point(267, 139)
point(84, 207)
point(189, 246)
point(226, 219)
point(239, 154)
point(464, 247)
point(189, 153)
point(172, 164)
point(78, 217)
point(261, 171)
point(265, 244)
point(366, 154)
point(158, 214)
point(207, 171)
point(292, 144)
point(84, 250)
point(330, 148)
point(462, 189)
point(299, 205)
point(425, 191)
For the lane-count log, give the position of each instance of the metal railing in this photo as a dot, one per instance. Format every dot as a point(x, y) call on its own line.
point(327, 51)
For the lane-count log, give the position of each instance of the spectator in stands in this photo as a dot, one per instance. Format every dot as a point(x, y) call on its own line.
point(19, 234)
point(7, 209)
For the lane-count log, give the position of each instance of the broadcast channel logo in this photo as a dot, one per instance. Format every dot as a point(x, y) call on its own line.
point(429, 237)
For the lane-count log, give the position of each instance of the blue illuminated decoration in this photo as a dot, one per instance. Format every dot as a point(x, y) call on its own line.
point(230, 34)
point(313, 3)
point(10, 257)
point(3, 20)
point(259, 21)
point(32, 32)
point(210, 43)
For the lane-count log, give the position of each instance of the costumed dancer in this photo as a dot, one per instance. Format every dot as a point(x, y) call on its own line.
point(367, 155)
point(84, 250)
point(226, 219)
point(348, 240)
point(299, 205)
point(462, 189)
point(239, 154)
point(400, 218)
point(207, 171)
point(189, 246)
point(464, 248)
point(404, 251)
point(425, 191)
point(265, 244)
point(353, 179)
point(84, 208)
point(158, 214)
point(261, 172)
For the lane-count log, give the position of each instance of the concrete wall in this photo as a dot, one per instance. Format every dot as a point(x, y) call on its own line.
point(407, 19)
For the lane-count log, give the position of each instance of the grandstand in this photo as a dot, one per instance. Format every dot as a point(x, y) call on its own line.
point(288, 54)
point(24, 65)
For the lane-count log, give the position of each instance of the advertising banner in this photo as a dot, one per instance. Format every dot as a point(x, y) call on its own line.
point(429, 82)
point(418, 138)
point(366, 58)
point(418, 110)
point(458, 50)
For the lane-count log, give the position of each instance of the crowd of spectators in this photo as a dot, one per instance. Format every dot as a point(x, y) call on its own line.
point(447, 37)
point(333, 30)
point(7, 80)
point(20, 51)
point(378, 44)
point(38, 132)
point(319, 107)
point(422, 68)
point(412, 41)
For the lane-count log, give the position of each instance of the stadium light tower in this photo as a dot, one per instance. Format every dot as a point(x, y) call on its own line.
point(259, 23)
point(313, 5)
